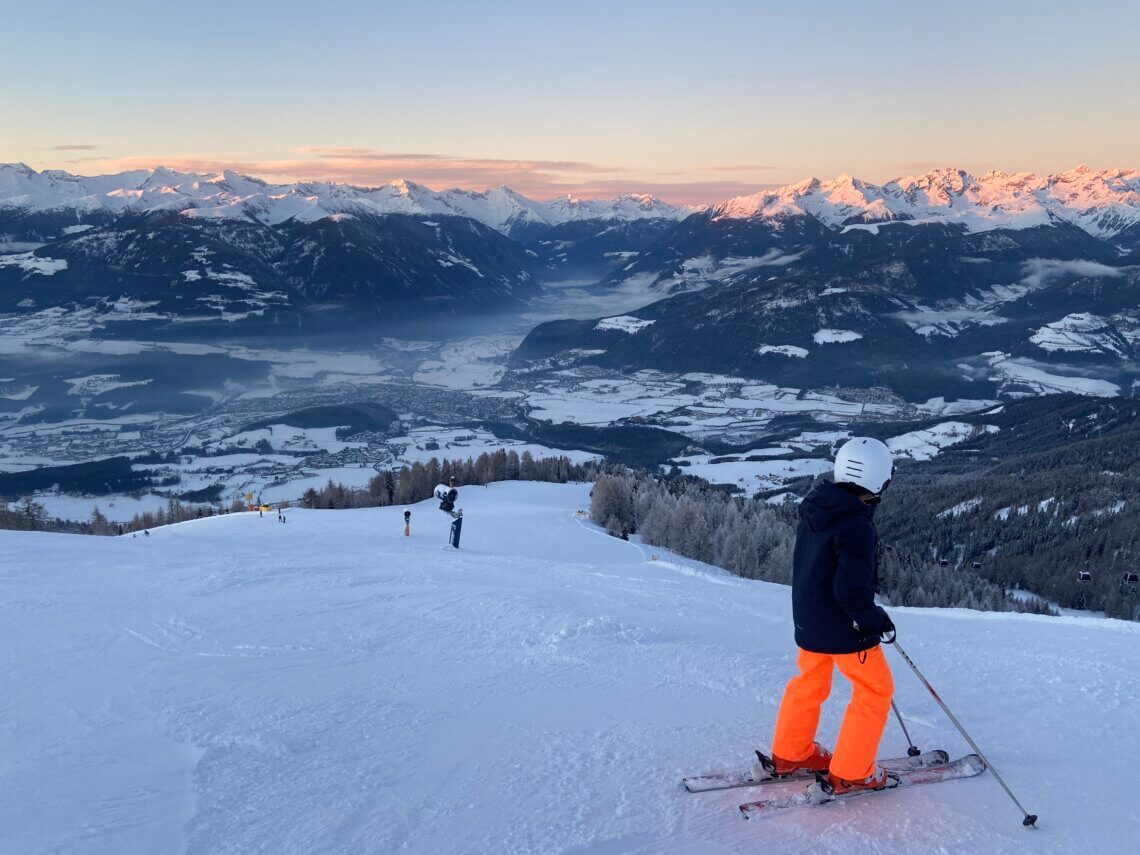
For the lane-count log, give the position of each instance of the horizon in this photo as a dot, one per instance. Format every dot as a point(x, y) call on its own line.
point(571, 194)
point(610, 100)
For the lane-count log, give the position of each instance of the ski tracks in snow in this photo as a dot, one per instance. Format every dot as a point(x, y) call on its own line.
point(232, 686)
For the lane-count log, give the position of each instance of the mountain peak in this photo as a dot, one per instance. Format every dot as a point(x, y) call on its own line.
point(1081, 196)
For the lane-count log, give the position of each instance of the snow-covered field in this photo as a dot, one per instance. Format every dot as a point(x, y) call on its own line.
point(719, 403)
point(1020, 377)
point(927, 443)
point(236, 685)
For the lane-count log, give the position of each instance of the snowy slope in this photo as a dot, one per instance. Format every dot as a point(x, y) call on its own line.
point(1103, 203)
point(236, 685)
point(230, 195)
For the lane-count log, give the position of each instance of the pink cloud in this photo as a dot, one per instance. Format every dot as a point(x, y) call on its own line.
point(740, 167)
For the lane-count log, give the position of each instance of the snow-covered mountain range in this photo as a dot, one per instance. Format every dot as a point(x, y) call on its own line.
point(231, 195)
point(814, 283)
point(1102, 203)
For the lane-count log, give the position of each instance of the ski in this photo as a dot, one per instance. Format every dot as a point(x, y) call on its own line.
point(814, 795)
point(761, 774)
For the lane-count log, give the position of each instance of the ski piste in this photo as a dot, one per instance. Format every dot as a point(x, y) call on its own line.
point(815, 795)
point(734, 780)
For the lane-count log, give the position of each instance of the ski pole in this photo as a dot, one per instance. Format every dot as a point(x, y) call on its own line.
point(1030, 819)
point(912, 749)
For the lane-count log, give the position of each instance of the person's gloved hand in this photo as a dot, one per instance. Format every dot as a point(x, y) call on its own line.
point(887, 631)
point(884, 631)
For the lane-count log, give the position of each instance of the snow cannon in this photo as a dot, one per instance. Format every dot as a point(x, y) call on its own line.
point(447, 496)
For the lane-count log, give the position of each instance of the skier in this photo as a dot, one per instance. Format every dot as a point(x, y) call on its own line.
point(839, 626)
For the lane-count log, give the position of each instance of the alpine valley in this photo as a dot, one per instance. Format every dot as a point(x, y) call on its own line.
point(191, 318)
point(968, 287)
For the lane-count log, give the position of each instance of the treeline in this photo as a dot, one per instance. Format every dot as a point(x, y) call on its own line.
point(691, 518)
point(907, 579)
point(404, 486)
point(174, 512)
point(30, 515)
point(754, 540)
point(95, 477)
point(1062, 522)
point(417, 482)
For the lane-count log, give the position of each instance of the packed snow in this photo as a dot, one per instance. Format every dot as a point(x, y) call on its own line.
point(236, 684)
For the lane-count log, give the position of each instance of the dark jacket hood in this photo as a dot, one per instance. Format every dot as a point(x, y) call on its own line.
point(829, 502)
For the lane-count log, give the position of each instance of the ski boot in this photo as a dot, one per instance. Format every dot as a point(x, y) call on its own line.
point(880, 779)
point(817, 761)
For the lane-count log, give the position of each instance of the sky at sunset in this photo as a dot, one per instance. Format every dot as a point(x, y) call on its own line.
point(691, 101)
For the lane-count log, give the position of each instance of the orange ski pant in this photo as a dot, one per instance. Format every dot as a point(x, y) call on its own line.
point(863, 722)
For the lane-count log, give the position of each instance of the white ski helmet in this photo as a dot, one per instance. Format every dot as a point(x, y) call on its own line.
point(866, 462)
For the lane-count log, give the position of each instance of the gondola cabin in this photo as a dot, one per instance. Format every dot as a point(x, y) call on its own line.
point(1084, 576)
point(977, 565)
point(943, 562)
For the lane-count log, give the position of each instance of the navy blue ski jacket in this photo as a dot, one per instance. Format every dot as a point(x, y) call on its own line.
point(835, 573)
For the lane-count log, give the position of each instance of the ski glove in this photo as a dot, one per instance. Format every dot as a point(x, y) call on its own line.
point(886, 630)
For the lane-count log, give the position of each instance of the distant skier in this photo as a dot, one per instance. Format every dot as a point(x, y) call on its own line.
point(839, 626)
